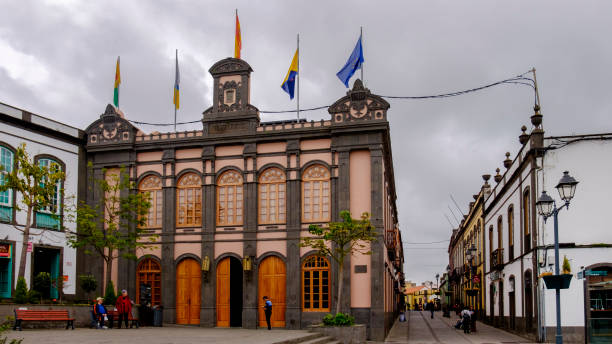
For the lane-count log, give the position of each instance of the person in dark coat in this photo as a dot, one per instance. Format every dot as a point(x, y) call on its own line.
point(268, 310)
point(124, 308)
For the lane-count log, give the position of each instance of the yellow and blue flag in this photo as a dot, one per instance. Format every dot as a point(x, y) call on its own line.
point(177, 81)
point(288, 84)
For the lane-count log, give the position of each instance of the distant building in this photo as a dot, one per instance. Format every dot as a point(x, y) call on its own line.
point(231, 201)
point(46, 141)
point(467, 258)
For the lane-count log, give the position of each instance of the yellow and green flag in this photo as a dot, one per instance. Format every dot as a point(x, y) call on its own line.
point(117, 82)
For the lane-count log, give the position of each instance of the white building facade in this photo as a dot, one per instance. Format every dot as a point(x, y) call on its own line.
point(519, 245)
point(46, 142)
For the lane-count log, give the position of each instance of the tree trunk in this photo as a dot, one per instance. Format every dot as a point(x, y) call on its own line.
point(340, 283)
point(107, 277)
point(24, 245)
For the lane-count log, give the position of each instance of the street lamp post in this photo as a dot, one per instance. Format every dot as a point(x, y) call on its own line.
point(547, 207)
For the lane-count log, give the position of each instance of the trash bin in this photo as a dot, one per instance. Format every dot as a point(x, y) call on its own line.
point(158, 316)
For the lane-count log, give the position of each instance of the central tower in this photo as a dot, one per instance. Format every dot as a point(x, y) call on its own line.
point(231, 112)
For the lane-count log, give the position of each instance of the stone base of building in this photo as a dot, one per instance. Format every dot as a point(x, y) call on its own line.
point(571, 334)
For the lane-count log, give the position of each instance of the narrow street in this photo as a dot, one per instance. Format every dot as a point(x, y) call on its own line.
point(420, 328)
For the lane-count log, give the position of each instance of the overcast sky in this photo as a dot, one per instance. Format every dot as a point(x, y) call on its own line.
point(57, 59)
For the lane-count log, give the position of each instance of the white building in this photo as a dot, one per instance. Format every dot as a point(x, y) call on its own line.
point(46, 141)
point(519, 246)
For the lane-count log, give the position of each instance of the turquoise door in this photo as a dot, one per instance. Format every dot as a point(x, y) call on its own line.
point(6, 272)
point(55, 263)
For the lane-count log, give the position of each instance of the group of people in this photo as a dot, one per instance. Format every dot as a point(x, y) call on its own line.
point(123, 308)
point(467, 320)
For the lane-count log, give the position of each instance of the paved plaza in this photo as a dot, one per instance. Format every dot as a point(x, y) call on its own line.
point(156, 335)
point(420, 328)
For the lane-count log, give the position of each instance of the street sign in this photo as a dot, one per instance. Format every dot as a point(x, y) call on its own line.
point(595, 273)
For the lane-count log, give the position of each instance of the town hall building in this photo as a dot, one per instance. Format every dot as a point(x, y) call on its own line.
point(231, 201)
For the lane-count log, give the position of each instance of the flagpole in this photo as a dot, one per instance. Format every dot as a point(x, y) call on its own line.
point(298, 77)
point(174, 88)
point(361, 37)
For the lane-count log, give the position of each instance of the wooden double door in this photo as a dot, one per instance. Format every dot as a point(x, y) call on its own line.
point(272, 281)
point(188, 291)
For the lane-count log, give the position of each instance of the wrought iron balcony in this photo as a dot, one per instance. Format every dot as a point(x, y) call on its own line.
point(497, 259)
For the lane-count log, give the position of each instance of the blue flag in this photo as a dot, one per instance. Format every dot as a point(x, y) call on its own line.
point(354, 62)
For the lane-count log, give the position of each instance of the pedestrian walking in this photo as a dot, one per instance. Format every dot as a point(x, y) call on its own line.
point(100, 313)
point(473, 319)
point(432, 308)
point(466, 317)
point(124, 308)
point(268, 310)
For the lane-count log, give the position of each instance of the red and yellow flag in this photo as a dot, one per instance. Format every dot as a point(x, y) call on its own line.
point(238, 41)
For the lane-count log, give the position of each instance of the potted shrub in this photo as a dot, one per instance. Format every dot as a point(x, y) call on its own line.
point(561, 281)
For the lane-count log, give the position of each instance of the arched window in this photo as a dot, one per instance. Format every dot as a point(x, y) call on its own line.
point(149, 274)
point(500, 232)
point(6, 197)
point(272, 196)
point(315, 284)
point(491, 246)
point(151, 185)
point(316, 194)
point(48, 216)
point(511, 232)
point(229, 199)
point(526, 216)
point(189, 200)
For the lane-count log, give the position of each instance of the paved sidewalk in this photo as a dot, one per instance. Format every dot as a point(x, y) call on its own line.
point(155, 335)
point(420, 328)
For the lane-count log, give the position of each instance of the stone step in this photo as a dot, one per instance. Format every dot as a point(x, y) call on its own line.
point(320, 340)
point(306, 338)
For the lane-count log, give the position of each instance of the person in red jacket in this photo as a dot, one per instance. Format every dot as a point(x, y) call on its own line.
point(124, 308)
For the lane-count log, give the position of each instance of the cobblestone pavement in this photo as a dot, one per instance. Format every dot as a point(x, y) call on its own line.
point(420, 328)
point(154, 335)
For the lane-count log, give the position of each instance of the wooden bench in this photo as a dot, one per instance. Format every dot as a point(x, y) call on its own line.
point(42, 315)
point(114, 316)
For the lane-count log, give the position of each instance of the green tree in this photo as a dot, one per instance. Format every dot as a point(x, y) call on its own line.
point(110, 297)
point(346, 238)
point(38, 187)
point(113, 227)
point(21, 291)
point(88, 284)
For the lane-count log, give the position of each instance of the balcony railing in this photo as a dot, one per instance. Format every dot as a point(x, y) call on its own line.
point(497, 259)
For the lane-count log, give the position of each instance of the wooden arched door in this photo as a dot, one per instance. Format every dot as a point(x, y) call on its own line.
point(188, 289)
point(223, 293)
point(272, 281)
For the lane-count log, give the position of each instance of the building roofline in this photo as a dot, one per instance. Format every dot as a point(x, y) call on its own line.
point(41, 121)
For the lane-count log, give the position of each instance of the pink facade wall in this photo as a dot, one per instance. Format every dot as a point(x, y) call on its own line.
point(194, 248)
point(188, 153)
point(315, 144)
point(263, 160)
point(226, 247)
point(306, 157)
point(360, 198)
point(149, 156)
point(180, 166)
point(154, 250)
point(305, 250)
point(279, 246)
point(238, 163)
point(271, 147)
point(228, 150)
point(142, 169)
